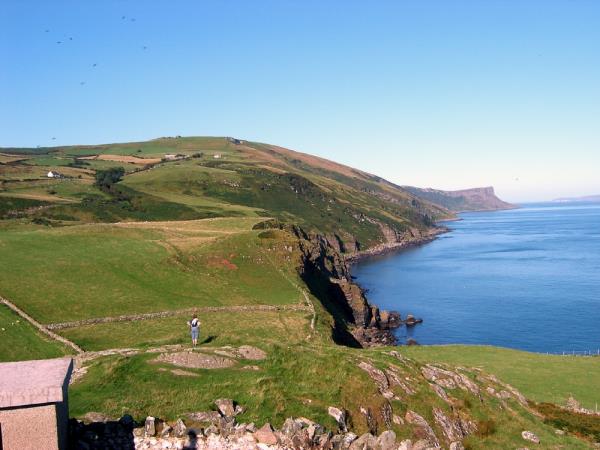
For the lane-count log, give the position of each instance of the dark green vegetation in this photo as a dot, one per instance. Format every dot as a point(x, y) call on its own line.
point(584, 425)
point(129, 230)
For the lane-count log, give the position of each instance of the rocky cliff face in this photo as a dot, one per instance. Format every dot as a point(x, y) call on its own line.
point(327, 272)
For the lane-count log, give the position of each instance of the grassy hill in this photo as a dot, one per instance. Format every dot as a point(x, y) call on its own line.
point(228, 229)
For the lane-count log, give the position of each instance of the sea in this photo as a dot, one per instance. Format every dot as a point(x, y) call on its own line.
point(527, 278)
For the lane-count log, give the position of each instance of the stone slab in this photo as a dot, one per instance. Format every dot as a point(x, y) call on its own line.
point(34, 382)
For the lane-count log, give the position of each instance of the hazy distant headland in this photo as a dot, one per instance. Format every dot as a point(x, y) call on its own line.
point(585, 198)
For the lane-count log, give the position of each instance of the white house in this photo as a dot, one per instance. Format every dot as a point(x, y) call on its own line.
point(217, 156)
point(53, 174)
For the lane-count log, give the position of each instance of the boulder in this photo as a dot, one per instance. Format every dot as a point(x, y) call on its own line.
point(205, 416)
point(349, 438)
point(266, 435)
point(456, 446)
point(366, 442)
point(149, 426)
point(179, 429)
point(531, 437)
point(291, 427)
point(405, 445)
point(225, 407)
point(94, 417)
point(339, 416)
point(386, 441)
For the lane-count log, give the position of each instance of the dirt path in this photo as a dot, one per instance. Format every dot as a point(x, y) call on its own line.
point(39, 326)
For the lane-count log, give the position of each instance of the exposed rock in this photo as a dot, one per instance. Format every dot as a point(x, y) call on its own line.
point(441, 393)
point(266, 435)
point(449, 427)
point(205, 416)
point(349, 438)
point(573, 404)
point(397, 420)
point(405, 445)
point(531, 437)
point(195, 360)
point(456, 446)
point(225, 407)
point(252, 353)
point(179, 430)
point(395, 380)
point(377, 375)
point(559, 432)
point(386, 441)
point(91, 417)
point(423, 430)
point(412, 320)
point(339, 416)
point(149, 426)
point(449, 379)
point(366, 442)
point(371, 421)
point(386, 414)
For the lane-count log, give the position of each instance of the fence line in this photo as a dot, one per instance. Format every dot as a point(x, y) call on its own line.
point(576, 353)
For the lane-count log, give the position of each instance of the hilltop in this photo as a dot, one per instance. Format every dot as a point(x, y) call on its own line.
point(123, 242)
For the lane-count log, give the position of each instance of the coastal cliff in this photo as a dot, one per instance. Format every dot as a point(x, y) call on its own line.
point(326, 271)
point(474, 199)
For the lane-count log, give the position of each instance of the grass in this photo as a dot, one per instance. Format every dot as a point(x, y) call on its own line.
point(223, 328)
point(106, 270)
point(542, 378)
point(20, 341)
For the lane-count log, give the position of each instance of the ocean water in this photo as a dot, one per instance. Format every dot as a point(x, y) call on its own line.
point(527, 278)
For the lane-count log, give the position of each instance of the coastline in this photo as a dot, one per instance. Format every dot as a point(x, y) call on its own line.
point(384, 249)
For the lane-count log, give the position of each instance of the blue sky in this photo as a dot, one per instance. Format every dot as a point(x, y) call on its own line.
point(447, 94)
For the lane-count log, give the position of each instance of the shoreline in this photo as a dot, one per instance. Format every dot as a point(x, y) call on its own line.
point(387, 248)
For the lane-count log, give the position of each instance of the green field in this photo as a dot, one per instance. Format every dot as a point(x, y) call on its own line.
point(21, 341)
point(88, 271)
point(542, 378)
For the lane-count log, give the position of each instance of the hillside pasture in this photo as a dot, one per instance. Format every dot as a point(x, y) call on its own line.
point(542, 378)
point(95, 270)
point(20, 341)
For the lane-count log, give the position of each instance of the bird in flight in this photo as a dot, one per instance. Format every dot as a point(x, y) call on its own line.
point(94, 65)
point(53, 138)
point(145, 48)
point(82, 83)
point(59, 42)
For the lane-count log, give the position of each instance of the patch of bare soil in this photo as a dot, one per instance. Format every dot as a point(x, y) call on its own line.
point(195, 360)
point(243, 352)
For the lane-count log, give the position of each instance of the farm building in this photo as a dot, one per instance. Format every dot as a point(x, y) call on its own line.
point(34, 411)
point(54, 174)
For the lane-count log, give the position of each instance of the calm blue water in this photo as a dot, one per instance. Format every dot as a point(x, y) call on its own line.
point(527, 278)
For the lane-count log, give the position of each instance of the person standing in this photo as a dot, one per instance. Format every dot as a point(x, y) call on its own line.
point(194, 325)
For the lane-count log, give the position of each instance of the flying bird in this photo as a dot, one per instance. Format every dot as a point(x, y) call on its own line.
point(59, 42)
point(53, 138)
point(82, 83)
point(70, 38)
point(145, 47)
point(47, 31)
point(94, 65)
